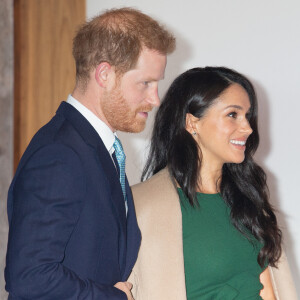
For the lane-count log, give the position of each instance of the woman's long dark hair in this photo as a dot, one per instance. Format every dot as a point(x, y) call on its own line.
point(243, 186)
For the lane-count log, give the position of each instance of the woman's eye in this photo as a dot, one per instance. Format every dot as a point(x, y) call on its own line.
point(233, 114)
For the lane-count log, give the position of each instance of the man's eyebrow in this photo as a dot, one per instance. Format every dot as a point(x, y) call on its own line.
point(155, 79)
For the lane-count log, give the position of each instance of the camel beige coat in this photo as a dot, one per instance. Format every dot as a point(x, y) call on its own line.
point(159, 271)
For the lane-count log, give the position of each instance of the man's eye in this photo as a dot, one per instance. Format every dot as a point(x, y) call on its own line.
point(146, 83)
point(233, 114)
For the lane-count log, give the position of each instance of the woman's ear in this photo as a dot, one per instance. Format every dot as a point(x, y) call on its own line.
point(190, 123)
point(103, 74)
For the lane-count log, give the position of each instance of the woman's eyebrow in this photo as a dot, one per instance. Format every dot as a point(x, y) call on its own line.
point(237, 107)
point(234, 106)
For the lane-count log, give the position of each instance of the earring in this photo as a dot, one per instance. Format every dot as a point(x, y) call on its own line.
point(194, 133)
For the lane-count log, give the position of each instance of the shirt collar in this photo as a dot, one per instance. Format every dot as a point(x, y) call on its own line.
point(105, 133)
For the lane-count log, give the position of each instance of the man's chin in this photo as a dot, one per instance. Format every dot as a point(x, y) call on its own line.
point(132, 128)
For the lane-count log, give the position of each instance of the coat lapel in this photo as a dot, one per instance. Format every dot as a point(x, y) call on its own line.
point(160, 258)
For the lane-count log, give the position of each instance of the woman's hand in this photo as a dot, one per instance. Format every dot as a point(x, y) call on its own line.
point(267, 293)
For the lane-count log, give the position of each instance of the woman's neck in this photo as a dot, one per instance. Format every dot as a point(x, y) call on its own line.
point(210, 179)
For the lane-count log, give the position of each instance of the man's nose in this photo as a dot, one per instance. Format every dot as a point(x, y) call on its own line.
point(153, 97)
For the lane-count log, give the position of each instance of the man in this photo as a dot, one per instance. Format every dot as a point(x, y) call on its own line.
point(73, 230)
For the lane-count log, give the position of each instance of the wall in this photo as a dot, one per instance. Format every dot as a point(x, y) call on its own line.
point(6, 123)
point(44, 65)
point(261, 40)
point(44, 75)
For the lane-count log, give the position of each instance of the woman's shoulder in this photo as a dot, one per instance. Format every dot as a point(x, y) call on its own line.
point(156, 191)
point(160, 179)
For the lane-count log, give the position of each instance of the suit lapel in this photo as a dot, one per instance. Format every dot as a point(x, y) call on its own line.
point(91, 137)
point(114, 185)
point(133, 234)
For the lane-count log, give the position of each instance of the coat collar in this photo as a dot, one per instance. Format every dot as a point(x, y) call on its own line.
point(160, 258)
point(106, 134)
point(81, 124)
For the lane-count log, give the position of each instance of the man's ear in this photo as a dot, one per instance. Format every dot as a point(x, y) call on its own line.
point(190, 123)
point(103, 74)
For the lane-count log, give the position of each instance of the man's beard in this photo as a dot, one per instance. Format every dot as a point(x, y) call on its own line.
point(119, 115)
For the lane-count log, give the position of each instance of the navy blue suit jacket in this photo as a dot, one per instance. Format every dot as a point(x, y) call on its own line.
point(69, 237)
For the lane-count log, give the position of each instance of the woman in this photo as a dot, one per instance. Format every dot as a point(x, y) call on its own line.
point(208, 230)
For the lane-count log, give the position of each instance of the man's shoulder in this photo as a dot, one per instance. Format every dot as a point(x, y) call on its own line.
point(57, 133)
point(57, 129)
point(65, 127)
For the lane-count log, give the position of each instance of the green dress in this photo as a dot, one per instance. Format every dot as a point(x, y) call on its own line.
point(220, 262)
